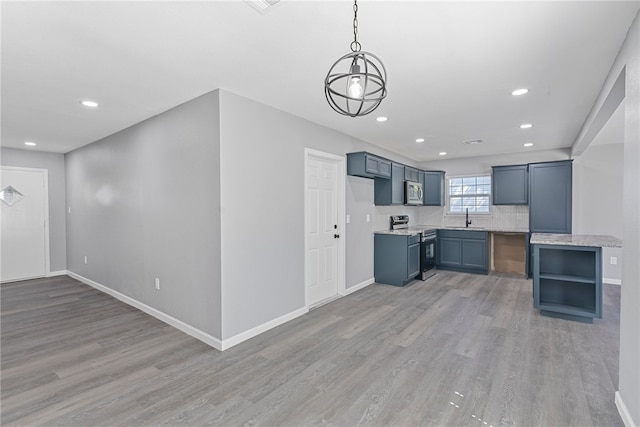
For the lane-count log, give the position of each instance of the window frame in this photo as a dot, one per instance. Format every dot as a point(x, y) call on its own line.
point(488, 195)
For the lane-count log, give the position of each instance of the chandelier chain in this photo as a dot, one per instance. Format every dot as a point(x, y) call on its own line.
point(355, 45)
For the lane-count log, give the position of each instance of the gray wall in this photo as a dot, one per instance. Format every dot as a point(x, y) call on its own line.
point(145, 204)
point(627, 62)
point(54, 163)
point(630, 296)
point(359, 235)
point(262, 176)
point(597, 199)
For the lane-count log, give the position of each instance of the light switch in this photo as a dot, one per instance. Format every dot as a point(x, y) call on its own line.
point(348, 219)
point(368, 218)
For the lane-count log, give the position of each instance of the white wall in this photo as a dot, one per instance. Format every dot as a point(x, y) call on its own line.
point(597, 200)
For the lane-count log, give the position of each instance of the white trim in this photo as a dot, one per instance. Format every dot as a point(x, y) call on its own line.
point(179, 324)
point(341, 184)
point(611, 281)
point(623, 411)
point(47, 255)
point(243, 336)
point(57, 273)
point(359, 286)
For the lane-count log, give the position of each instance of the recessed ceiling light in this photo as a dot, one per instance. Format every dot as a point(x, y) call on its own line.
point(90, 104)
point(528, 144)
point(420, 140)
point(518, 92)
point(443, 153)
point(30, 144)
point(526, 126)
point(381, 119)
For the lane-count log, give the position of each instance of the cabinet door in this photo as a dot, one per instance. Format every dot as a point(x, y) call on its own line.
point(550, 197)
point(510, 185)
point(433, 188)
point(411, 174)
point(377, 166)
point(474, 254)
point(397, 184)
point(450, 251)
point(413, 264)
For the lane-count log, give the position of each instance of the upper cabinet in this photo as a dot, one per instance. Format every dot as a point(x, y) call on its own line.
point(390, 191)
point(550, 197)
point(368, 166)
point(510, 185)
point(433, 187)
point(411, 174)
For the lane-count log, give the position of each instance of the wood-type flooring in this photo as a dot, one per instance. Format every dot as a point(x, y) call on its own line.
point(456, 350)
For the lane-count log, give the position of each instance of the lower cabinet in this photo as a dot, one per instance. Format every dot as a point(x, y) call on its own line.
point(396, 258)
point(567, 281)
point(461, 250)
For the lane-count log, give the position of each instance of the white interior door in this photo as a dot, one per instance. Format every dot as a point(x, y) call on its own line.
point(23, 218)
point(322, 251)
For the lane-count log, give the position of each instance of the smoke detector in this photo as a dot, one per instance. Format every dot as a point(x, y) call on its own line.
point(262, 6)
point(473, 141)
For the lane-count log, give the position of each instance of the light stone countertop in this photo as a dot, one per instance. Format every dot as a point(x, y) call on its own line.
point(576, 240)
point(411, 231)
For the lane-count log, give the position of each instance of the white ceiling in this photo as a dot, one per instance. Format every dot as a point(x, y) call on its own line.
point(451, 67)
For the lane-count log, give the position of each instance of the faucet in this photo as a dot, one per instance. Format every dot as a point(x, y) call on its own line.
point(467, 220)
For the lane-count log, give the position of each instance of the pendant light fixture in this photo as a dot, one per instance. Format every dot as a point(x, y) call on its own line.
point(356, 83)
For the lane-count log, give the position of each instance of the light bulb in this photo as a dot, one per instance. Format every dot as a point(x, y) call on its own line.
point(355, 88)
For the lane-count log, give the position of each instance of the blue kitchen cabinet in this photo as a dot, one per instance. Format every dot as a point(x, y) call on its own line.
point(433, 186)
point(390, 191)
point(463, 250)
point(510, 185)
point(366, 165)
point(396, 258)
point(550, 197)
point(411, 174)
point(567, 281)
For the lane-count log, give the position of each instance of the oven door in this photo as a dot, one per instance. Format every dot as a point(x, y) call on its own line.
point(427, 257)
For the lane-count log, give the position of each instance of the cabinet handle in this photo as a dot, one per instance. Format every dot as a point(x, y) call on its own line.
point(336, 236)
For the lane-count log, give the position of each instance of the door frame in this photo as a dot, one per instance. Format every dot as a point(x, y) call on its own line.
point(47, 255)
point(340, 161)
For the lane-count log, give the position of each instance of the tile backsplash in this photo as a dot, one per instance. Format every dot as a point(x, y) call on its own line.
point(501, 217)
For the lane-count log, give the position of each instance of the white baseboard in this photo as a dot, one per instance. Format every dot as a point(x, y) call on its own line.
point(243, 336)
point(179, 324)
point(57, 273)
point(359, 286)
point(624, 412)
point(611, 281)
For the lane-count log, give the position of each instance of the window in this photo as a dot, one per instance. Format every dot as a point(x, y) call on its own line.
point(470, 192)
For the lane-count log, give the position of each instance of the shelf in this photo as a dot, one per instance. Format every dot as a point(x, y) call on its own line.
point(565, 278)
point(567, 309)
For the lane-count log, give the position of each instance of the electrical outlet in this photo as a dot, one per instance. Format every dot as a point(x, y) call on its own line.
point(85, 260)
point(613, 260)
point(157, 284)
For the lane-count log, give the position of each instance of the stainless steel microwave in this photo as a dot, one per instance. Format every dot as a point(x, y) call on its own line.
point(413, 194)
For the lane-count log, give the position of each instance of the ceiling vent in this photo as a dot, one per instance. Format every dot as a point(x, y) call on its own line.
point(262, 6)
point(473, 141)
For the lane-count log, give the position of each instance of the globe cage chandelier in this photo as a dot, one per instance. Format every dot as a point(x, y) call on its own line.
point(356, 83)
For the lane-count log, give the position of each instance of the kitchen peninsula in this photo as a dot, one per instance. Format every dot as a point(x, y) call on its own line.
point(567, 274)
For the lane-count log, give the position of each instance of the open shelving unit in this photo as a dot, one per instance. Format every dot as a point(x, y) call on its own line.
point(567, 281)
